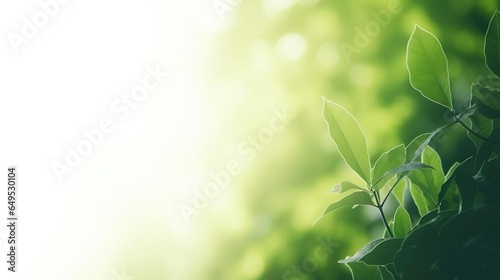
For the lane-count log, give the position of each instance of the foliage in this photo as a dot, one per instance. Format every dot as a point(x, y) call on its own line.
point(457, 235)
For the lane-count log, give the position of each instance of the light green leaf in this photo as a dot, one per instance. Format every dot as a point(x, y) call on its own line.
point(428, 67)
point(353, 199)
point(414, 145)
point(399, 191)
point(349, 138)
point(362, 271)
point(345, 186)
point(388, 161)
point(432, 158)
point(429, 180)
point(377, 252)
point(420, 201)
point(492, 44)
point(423, 144)
point(402, 222)
point(452, 169)
point(403, 169)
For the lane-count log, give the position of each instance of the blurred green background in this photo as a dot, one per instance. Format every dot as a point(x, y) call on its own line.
point(290, 53)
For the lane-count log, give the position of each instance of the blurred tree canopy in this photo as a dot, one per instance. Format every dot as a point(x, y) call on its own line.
point(290, 53)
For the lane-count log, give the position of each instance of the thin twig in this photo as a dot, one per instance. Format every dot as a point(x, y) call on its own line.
point(379, 207)
point(477, 134)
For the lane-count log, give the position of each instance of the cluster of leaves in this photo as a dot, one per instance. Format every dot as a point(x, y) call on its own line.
point(457, 235)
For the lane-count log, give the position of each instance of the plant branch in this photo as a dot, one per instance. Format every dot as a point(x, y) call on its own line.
point(392, 188)
point(382, 214)
point(477, 134)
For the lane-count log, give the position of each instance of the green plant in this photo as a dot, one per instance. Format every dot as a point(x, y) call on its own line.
point(457, 235)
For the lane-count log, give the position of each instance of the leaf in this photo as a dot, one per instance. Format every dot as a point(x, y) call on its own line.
point(405, 168)
point(377, 252)
point(388, 161)
point(492, 45)
point(421, 148)
point(419, 252)
point(467, 188)
point(452, 169)
point(425, 183)
point(348, 137)
point(361, 271)
point(419, 199)
point(428, 67)
point(432, 158)
point(402, 222)
point(414, 145)
point(482, 125)
point(429, 180)
point(345, 186)
point(486, 96)
point(353, 199)
point(385, 273)
point(399, 191)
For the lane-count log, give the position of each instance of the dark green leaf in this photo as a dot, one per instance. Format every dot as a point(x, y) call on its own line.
point(467, 187)
point(362, 271)
point(492, 45)
point(481, 125)
point(385, 273)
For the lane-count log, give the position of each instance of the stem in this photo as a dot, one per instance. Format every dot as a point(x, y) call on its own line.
point(477, 134)
point(379, 207)
point(392, 188)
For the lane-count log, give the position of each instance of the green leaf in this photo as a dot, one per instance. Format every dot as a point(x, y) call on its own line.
point(345, 186)
point(430, 180)
point(452, 169)
point(492, 45)
point(420, 201)
point(432, 158)
point(424, 180)
point(404, 169)
point(482, 125)
point(419, 251)
point(388, 161)
point(428, 67)
point(414, 145)
point(348, 137)
point(467, 188)
point(399, 191)
point(385, 273)
point(402, 222)
point(353, 199)
point(424, 142)
point(377, 252)
point(362, 271)
point(486, 97)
